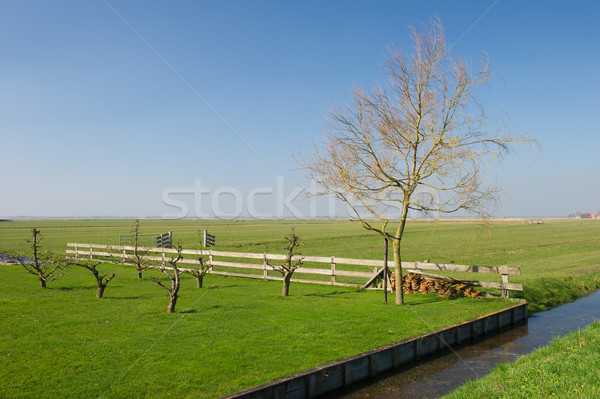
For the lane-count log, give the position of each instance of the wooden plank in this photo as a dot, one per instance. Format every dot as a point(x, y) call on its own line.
point(87, 254)
point(347, 273)
point(500, 286)
point(372, 279)
point(236, 274)
point(359, 262)
point(317, 259)
point(463, 268)
point(240, 255)
point(323, 282)
point(237, 265)
point(309, 270)
point(199, 252)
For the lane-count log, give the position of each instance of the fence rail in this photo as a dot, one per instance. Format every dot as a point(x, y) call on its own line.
point(355, 271)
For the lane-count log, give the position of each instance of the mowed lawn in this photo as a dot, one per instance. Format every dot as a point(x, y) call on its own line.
point(235, 333)
point(232, 334)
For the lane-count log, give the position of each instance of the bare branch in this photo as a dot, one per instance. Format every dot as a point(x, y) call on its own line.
point(422, 132)
point(42, 264)
point(288, 267)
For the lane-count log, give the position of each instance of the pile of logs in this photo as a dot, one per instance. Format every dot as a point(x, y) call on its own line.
point(446, 288)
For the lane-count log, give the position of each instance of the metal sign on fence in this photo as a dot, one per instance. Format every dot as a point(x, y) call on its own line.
point(165, 240)
point(209, 239)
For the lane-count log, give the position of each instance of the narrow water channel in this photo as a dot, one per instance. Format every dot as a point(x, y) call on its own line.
point(444, 374)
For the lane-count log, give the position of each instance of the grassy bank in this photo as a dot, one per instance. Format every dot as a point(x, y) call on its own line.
point(567, 368)
point(230, 335)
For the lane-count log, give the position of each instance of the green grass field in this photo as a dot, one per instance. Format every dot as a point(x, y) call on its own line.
point(235, 333)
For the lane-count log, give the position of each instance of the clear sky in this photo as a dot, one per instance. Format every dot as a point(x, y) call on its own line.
point(134, 108)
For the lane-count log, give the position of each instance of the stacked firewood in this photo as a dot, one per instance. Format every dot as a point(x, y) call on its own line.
point(414, 283)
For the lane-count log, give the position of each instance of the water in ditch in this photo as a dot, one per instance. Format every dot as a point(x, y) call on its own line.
point(444, 374)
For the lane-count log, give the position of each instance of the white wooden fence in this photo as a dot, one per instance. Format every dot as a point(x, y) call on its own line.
point(340, 271)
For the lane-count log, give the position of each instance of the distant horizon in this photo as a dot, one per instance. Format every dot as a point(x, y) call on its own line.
point(10, 218)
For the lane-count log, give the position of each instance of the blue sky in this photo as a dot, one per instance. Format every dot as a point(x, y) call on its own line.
point(94, 123)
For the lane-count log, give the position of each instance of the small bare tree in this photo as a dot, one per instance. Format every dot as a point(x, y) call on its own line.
point(42, 263)
point(422, 142)
point(203, 266)
point(102, 280)
point(174, 274)
point(288, 267)
point(139, 258)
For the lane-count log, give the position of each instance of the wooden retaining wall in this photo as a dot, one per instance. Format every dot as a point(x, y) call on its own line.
point(368, 365)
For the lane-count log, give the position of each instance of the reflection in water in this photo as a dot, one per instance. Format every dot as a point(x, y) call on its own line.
point(440, 376)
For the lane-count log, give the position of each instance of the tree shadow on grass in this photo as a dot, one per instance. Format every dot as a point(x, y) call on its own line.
point(329, 294)
point(214, 287)
point(71, 288)
point(228, 307)
point(431, 300)
point(127, 297)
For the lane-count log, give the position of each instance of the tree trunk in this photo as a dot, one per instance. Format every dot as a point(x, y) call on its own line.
point(174, 291)
point(397, 248)
point(199, 281)
point(42, 282)
point(398, 271)
point(172, 303)
point(100, 290)
point(285, 291)
point(139, 274)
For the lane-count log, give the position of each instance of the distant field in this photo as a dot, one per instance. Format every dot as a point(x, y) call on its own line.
point(234, 333)
point(555, 248)
point(559, 259)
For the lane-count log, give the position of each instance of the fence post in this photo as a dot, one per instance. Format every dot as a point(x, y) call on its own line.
point(91, 249)
point(265, 273)
point(76, 253)
point(163, 258)
point(210, 259)
point(333, 270)
point(124, 254)
point(505, 294)
point(385, 271)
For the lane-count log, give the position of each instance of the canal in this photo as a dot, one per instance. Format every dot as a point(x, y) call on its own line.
point(440, 376)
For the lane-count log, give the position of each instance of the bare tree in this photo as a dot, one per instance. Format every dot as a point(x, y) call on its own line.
point(102, 280)
point(174, 274)
point(203, 266)
point(139, 257)
point(288, 267)
point(43, 263)
point(420, 142)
